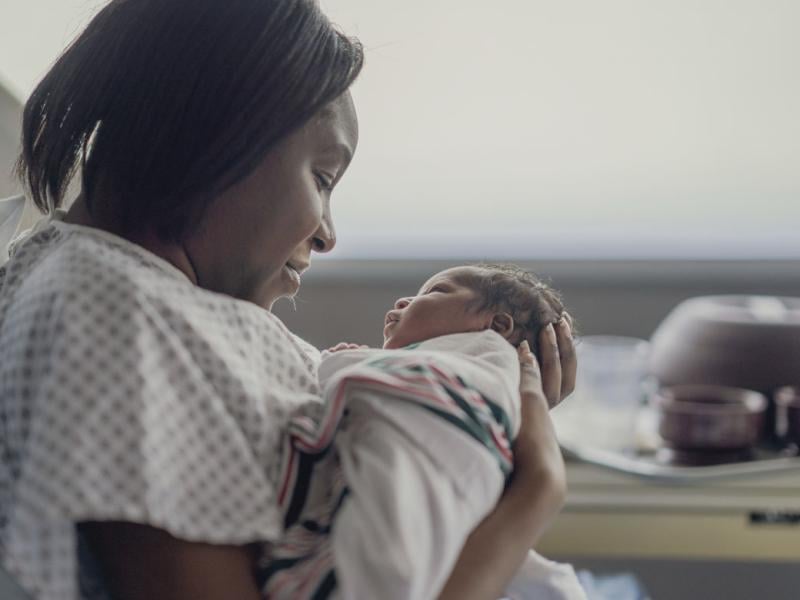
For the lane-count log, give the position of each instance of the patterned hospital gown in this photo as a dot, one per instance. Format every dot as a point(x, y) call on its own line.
point(128, 393)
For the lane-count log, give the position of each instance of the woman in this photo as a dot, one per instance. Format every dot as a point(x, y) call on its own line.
point(143, 381)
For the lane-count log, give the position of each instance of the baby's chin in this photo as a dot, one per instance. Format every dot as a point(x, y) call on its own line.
point(401, 342)
point(391, 343)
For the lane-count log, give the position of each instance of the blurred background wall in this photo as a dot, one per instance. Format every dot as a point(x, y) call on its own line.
point(10, 119)
point(543, 130)
point(347, 300)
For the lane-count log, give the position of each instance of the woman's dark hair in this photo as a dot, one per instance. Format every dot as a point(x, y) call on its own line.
point(170, 102)
point(531, 302)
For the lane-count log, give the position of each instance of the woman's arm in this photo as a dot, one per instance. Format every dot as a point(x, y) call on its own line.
point(139, 562)
point(497, 547)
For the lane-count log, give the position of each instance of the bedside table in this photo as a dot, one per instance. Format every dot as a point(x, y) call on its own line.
point(608, 514)
point(731, 539)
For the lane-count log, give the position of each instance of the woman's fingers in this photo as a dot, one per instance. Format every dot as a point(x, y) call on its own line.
point(530, 381)
point(346, 346)
point(551, 364)
point(566, 351)
point(527, 360)
point(525, 355)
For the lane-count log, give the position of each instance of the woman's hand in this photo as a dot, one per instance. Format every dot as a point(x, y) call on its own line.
point(345, 346)
point(556, 374)
point(536, 452)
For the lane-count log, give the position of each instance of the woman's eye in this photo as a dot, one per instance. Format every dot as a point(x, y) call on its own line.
point(324, 182)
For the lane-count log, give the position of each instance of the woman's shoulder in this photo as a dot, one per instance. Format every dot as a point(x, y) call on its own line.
point(69, 294)
point(129, 394)
point(71, 256)
point(78, 269)
point(56, 258)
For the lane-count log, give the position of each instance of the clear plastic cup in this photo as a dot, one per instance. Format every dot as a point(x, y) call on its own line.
point(611, 387)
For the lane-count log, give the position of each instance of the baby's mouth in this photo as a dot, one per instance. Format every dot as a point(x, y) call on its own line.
point(389, 322)
point(391, 317)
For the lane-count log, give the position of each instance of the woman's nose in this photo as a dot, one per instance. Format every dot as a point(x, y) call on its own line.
point(325, 236)
point(402, 303)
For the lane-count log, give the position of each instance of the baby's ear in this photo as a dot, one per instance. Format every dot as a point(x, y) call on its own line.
point(503, 323)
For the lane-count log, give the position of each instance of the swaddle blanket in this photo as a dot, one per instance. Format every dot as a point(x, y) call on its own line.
point(383, 482)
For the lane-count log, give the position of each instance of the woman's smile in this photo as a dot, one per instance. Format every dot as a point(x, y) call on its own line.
point(294, 272)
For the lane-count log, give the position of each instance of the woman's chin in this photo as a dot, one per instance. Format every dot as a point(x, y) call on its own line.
point(290, 281)
point(268, 297)
point(286, 285)
point(281, 296)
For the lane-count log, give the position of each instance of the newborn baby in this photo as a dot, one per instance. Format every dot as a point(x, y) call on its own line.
point(504, 298)
point(411, 449)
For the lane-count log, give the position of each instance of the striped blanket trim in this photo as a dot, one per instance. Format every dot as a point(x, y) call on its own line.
point(301, 565)
point(432, 386)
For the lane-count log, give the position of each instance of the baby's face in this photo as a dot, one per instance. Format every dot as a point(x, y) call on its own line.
point(441, 307)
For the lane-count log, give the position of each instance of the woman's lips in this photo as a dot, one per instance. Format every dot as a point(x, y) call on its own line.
point(293, 273)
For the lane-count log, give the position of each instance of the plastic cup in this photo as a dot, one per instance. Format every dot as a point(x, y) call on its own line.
point(610, 387)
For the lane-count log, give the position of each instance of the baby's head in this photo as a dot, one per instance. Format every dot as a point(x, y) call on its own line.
point(505, 298)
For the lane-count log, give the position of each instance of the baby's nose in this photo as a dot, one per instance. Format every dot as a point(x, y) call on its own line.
point(402, 303)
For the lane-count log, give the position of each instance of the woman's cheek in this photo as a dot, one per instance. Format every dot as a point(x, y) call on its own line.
point(310, 213)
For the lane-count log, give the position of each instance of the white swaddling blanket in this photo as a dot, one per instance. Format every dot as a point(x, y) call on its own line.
point(384, 481)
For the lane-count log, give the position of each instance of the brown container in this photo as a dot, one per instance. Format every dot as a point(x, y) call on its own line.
point(787, 402)
point(750, 342)
point(710, 417)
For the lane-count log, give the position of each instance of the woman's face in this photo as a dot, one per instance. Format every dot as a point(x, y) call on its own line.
point(256, 239)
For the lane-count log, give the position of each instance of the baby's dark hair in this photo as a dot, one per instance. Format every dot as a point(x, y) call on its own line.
point(531, 302)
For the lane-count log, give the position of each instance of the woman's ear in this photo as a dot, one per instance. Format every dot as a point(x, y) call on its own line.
point(503, 323)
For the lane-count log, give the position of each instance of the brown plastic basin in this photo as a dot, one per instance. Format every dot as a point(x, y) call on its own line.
point(710, 417)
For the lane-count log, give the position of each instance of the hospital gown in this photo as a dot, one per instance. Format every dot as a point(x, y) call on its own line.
point(129, 393)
